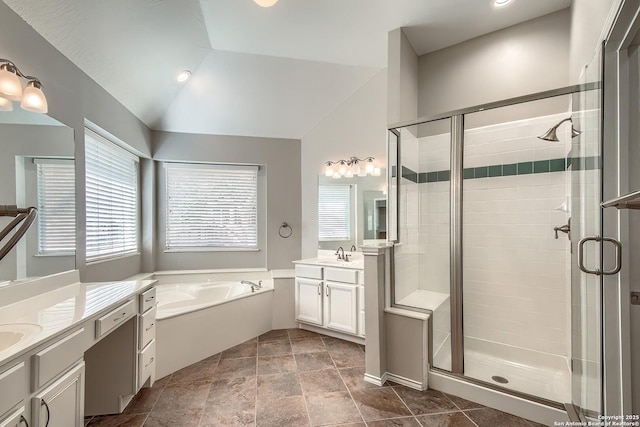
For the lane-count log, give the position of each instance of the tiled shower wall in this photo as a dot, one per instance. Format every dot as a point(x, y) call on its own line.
point(516, 280)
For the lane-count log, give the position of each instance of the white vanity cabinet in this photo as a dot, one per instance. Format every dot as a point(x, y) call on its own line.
point(329, 297)
point(17, 418)
point(62, 403)
point(147, 338)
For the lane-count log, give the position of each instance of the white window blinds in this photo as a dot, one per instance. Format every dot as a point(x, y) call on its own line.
point(334, 207)
point(211, 206)
point(112, 199)
point(56, 206)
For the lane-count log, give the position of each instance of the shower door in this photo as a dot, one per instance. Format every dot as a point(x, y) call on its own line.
point(586, 225)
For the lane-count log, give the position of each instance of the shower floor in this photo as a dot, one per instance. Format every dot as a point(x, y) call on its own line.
point(539, 374)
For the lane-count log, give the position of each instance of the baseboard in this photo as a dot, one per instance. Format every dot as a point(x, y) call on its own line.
point(407, 382)
point(334, 334)
point(379, 381)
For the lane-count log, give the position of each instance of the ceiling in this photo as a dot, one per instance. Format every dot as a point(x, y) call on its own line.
point(273, 72)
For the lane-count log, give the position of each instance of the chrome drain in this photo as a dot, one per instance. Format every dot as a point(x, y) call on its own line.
point(499, 379)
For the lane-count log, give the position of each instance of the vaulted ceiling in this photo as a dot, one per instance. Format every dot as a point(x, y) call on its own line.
point(257, 71)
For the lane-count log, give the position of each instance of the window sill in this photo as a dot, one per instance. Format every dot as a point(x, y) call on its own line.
point(113, 258)
point(190, 250)
point(55, 254)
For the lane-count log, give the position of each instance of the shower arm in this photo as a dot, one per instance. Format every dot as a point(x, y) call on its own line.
point(28, 215)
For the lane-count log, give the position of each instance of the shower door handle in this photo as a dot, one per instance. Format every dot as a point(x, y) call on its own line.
point(597, 271)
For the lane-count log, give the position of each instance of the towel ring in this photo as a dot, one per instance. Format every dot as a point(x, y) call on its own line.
point(284, 226)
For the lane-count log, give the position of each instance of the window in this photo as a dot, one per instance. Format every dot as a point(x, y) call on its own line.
point(56, 206)
point(334, 212)
point(211, 206)
point(112, 199)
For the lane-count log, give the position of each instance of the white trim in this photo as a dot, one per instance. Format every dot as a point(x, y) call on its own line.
point(371, 379)
point(335, 334)
point(111, 145)
point(222, 166)
point(407, 382)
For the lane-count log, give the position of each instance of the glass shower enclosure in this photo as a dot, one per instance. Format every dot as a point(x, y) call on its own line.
point(488, 205)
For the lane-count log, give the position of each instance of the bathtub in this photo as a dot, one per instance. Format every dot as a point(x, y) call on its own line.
point(201, 313)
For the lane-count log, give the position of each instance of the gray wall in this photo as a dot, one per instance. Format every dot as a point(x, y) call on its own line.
point(281, 162)
point(74, 97)
point(355, 128)
point(402, 78)
point(519, 60)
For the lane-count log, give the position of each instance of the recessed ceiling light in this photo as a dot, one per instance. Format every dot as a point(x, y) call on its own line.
point(265, 3)
point(183, 76)
point(501, 3)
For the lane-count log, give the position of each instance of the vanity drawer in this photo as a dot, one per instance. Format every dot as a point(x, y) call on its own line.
point(115, 318)
point(13, 387)
point(343, 275)
point(147, 330)
point(146, 362)
point(15, 419)
point(309, 271)
point(56, 358)
point(147, 300)
point(360, 297)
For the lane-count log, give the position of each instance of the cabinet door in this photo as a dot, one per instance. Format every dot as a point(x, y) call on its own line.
point(62, 403)
point(309, 301)
point(340, 307)
point(16, 419)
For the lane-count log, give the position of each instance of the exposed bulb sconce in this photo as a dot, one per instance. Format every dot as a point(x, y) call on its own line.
point(31, 98)
point(350, 168)
point(551, 135)
point(265, 3)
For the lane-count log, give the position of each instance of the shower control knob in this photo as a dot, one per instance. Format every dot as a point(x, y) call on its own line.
point(565, 229)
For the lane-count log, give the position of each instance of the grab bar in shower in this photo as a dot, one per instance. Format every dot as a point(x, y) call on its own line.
point(28, 215)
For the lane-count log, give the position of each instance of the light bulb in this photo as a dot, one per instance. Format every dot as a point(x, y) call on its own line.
point(369, 168)
point(343, 168)
point(355, 168)
point(349, 174)
point(376, 172)
point(33, 98)
point(10, 86)
point(5, 104)
point(265, 3)
point(329, 170)
point(336, 176)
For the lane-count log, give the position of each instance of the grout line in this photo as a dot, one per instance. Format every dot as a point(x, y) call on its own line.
point(304, 398)
point(469, 418)
point(345, 385)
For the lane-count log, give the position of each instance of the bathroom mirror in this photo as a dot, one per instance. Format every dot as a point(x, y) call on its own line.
point(351, 211)
point(37, 169)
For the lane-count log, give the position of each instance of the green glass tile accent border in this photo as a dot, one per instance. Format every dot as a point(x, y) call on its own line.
point(510, 169)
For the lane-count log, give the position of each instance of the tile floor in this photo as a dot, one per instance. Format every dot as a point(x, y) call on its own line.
point(294, 378)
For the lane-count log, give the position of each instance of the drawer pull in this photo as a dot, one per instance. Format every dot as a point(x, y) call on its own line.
point(150, 362)
point(149, 328)
point(122, 317)
point(320, 288)
point(24, 420)
point(48, 412)
point(151, 298)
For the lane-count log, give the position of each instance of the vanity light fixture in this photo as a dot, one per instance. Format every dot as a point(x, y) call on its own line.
point(265, 3)
point(351, 167)
point(183, 76)
point(31, 98)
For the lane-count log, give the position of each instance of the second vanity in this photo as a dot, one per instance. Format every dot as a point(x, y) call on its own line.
point(75, 350)
point(329, 297)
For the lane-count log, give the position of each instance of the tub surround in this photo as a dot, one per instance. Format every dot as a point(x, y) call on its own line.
point(72, 334)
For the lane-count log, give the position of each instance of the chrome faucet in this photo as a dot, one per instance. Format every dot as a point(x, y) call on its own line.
point(252, 284)
point(353, 248)
point(340, 253)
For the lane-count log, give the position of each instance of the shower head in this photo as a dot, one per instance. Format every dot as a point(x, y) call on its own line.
point(551, 135)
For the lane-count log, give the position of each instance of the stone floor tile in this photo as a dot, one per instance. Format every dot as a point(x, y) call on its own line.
point(301, 333)
point(274, 335)
point(332, 408)
point(489, 417)
point(232, 390)
point(122, 420)
point(246, 349)
point(323, 381)
point(307, 345)
point(177, 397)
point(274, 348)
point(451, 419)
point(276, 364)
point(234, 368)
point(354, 378)
point(183, 418)
point(233, 414)
point(463, 404)
point(278, 386)
point(314, 361)
point(425, 402)
point(396, 422)
point(289, 411)
point(379, 404)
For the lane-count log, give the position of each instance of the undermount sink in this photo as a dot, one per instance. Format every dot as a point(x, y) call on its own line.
point(14, 333)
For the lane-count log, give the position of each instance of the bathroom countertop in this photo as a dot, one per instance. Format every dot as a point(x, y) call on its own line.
point(357, 264)
point(62, 309)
